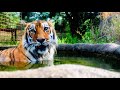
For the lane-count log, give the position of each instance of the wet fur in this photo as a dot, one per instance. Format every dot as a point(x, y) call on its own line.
point(25, 53)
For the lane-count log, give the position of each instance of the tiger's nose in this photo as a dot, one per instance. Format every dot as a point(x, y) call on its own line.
point(41, 40)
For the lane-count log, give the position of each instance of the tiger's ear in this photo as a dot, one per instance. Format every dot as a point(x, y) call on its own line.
point(50, 23)
point(22, 22)
point(26, 24)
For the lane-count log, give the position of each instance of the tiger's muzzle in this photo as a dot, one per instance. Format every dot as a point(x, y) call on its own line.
point(42, 46)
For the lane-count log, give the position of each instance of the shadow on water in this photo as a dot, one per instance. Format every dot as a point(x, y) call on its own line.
point(89, 59)
point(81, 59)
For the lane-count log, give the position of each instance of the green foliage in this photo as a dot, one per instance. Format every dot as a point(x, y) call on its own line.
point(32, 16)
point(9, 43)
point(7, 68)
point(59, 17)
point(87, 38)
point(92, 35)
point(9, 19)
point(68, 39)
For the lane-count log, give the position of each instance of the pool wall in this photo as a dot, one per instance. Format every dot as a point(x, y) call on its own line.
point(109, 50)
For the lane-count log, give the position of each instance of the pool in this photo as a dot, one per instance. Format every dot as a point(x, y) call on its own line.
point(104, 63)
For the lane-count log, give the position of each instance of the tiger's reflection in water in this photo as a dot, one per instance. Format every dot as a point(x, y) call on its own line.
point(22, 65)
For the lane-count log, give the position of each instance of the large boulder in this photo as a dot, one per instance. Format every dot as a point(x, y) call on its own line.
point(61, 71)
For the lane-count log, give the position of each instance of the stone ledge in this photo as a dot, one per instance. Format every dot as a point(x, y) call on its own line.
point(61, 71)
point(111, 50)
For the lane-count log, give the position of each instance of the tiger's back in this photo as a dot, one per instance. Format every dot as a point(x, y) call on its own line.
point(13, 57)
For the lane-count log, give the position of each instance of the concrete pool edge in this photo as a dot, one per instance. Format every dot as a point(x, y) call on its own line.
point(109, 50)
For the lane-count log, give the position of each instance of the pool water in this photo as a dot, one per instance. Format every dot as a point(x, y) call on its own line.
point(87, 61)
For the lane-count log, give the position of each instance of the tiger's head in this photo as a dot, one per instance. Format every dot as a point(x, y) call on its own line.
point(39, 40)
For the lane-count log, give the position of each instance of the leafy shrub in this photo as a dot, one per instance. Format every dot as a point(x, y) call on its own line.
point(68, 39)
point(9, 19)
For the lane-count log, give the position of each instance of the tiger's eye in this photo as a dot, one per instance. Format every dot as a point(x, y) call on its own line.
point(32, 31)
point(45, 28)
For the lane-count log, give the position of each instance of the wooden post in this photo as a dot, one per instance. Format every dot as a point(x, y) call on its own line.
point(15, 30)
point(11, 35)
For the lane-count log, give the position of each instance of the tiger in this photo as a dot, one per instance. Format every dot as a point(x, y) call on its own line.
point(38, 44)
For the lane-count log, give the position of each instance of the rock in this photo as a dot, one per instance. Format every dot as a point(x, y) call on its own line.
point(61, 71)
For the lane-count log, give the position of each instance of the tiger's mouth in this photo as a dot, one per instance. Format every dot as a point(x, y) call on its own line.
point(42, 49)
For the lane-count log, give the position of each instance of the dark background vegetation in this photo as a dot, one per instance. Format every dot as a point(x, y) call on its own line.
point(71, 27)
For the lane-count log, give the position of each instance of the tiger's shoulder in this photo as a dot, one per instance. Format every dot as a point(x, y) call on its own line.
point(8, 50)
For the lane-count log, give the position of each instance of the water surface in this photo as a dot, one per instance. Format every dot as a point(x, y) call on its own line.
point(87, 61)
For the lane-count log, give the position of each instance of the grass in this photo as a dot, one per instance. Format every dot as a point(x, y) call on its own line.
point(7, 68)
point(67, 38)
point(12, 43)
